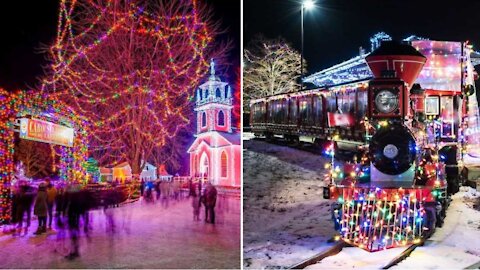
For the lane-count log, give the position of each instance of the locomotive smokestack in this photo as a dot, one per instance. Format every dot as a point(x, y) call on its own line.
point(396, 58)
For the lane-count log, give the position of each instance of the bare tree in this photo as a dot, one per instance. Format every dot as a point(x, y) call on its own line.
point(36, 157)
point(131, 68)
point(270, 67)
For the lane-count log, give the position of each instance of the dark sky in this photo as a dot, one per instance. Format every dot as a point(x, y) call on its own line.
point(336, 29)
point(26, 26)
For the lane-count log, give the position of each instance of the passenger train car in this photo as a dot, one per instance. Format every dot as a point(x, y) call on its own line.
point(409, 116)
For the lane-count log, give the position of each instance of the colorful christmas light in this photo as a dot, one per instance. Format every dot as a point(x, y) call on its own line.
point(131, 69)
point(45, 107)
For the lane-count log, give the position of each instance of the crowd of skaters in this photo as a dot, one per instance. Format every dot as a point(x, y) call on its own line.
point(67, 205)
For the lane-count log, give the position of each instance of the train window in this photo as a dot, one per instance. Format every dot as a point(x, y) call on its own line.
point(351, 102)
point(271, 104)
point(332, 103)
point(278, 111)
point(447, 112)
point(258, 112)
point(361, 104)
point(310, 115)
point(318, 110)
point(345, 104)
point(282, 111)
point(293, 110)
point(431, 105)
point(303, 110)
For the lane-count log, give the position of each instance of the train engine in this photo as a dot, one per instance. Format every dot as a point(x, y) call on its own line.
point(395, 194)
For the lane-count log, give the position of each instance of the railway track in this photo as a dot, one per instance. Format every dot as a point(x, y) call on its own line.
point(339, 246)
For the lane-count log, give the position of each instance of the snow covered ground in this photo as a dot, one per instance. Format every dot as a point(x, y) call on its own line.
point(285, 217)
point(146, 236)
point(286, 220)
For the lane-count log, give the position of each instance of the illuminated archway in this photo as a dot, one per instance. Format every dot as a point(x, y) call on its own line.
point(45, 107)
point(204, 165)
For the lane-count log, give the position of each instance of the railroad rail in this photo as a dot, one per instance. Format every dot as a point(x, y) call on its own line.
point(338, 247)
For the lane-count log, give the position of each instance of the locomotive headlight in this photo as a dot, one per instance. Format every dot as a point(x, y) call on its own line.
point(386, 101)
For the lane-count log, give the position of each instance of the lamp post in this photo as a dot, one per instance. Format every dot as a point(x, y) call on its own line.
point(307, 4)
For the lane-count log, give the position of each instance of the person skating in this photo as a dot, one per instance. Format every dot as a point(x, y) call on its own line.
point(15, 209)
point(157, 189)
point(142, 187)
point(74, 209)
point(51, 195)
point(25, 202)
point(210, 199)
point(40, 209)
point(196, 204)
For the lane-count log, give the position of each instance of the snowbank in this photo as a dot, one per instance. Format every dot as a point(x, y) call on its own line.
point(285, 217)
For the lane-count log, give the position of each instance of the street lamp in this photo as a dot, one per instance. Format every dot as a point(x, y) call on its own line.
point(307, 5)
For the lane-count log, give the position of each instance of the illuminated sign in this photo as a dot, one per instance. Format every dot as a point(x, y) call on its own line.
point(43, 131)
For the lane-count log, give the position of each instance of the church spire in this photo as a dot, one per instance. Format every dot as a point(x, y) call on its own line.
point(212, 70)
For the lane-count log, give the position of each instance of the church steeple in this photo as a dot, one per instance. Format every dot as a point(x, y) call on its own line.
point(214, 104)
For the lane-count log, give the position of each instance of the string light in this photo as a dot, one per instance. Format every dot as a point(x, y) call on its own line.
point(44, 107)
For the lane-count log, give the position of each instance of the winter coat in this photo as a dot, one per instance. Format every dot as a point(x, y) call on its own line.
point(51, 194)
point(196, 204)
point(40, 208)
point(210, 196)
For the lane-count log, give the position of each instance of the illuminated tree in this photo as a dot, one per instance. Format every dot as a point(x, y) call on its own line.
point(131, 68)
point(270, 67)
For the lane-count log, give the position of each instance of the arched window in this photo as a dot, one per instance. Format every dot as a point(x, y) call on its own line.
point(200, 93)
point(206, 94)
point(221, 118)
point(218, 93)
point(204, 119)
point(223, 160)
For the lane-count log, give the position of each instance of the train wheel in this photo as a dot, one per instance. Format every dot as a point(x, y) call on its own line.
point(295, 140)
point(463, 177)
point(320, 145)
point(441, 213)
point(268, 137)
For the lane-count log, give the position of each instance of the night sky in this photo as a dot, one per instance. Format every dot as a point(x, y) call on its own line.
point(26, 26)
point(336, 29)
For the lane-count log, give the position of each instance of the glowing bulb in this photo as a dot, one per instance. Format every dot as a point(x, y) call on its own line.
point(308, 4)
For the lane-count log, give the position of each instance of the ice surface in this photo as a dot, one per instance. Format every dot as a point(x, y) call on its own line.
point(146, 236)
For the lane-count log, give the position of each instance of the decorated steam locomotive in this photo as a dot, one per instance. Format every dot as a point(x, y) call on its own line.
point(409, 119)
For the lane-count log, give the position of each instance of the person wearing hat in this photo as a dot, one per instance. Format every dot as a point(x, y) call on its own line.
point(40, 209)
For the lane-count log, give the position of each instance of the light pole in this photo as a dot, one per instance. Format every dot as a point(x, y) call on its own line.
point(307, 4)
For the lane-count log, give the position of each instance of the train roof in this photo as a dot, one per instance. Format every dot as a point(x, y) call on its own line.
point(356, 68)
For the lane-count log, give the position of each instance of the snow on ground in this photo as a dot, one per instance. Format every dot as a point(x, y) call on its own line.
point(286, 220)
point(146, 236)
point(454, 246)
point(457, 244)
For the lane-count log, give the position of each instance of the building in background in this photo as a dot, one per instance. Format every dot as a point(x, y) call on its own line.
point(123, 172)
point(215, 153)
